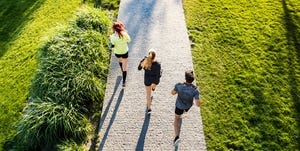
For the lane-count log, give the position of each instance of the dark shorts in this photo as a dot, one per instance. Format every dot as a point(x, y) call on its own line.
point(150, 81)
point(180, 111)
point(122, 55)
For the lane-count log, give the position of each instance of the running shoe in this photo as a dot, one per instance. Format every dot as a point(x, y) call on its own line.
point(176, 140)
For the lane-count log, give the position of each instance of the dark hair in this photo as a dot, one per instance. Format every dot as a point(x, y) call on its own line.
point(189, 76)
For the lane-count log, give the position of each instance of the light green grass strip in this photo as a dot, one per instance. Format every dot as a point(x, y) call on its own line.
point(18, 64)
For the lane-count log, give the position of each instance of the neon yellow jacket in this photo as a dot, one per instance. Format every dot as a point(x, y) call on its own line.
point(120, 44)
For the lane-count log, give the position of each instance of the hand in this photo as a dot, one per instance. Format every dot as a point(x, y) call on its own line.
point(173, 92)
point(197, 102)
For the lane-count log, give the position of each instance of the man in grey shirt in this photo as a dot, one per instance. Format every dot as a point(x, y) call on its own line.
point(187, 92)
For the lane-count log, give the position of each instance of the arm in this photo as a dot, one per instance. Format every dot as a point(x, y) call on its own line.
point(140, 65)
point(197, 102)
point(111, 43)
point(197, 98)
point(175, 89)
point(157, 72)
point(173, 92)
point(127, 37)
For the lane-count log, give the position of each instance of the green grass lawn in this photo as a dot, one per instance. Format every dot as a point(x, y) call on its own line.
point(23, 26)
point(246, 55)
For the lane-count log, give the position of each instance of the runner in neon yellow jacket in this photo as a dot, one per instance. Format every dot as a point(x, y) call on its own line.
point(119, 44)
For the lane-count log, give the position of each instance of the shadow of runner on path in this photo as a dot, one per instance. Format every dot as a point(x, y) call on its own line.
point(95, 138)
point(112, 119)
point(141, 141)
point(103, 117)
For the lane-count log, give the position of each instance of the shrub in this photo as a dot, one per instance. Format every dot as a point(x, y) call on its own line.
point(46, 123)
point(68, 85)
point(93, 19)
point(73, 68)
point(112, 5)
point(69, 146)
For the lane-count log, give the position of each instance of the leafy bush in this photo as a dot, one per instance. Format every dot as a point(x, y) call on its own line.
point(112, 5)
point(73, 68)
point(68, 85)
point(45, 123)
point(93, 19)
point(69, 146)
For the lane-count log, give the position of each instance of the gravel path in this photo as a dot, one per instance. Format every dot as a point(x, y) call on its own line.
point(158, 24)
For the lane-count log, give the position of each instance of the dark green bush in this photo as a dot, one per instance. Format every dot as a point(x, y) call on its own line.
point(68, 85)
point(73, 68)
point(110, 4)
point(69, 146)
point(46, 123)
point(93, 19)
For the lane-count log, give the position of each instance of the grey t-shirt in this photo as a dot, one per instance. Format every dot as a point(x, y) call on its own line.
point(186, 95)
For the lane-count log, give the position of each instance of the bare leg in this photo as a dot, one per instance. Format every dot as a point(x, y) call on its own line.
point(148, 96)
point(176, 124)
point(124, 61)
point(120, 60)
point(123, 65)
point(153, 86)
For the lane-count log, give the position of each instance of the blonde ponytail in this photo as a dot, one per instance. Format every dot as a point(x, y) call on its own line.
point(147, 63)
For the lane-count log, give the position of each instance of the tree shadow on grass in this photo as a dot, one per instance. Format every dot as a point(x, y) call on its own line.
point(290, 17)
point(14, 14)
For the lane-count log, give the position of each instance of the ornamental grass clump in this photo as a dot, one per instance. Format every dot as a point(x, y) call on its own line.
point(73, 68)
point(92, 19)
point(46, 123)
point(68, 86)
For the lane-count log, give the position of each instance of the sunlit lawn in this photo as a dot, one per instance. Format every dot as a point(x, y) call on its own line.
point(246, 55)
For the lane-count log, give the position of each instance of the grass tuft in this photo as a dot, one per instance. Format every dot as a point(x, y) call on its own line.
point(93, 19)
point(46, 122)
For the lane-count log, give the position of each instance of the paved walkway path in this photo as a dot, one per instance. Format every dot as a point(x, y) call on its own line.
point(158, 24)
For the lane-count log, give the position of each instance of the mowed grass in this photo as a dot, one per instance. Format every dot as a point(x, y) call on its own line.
point(23, 26)
point(246, 55)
